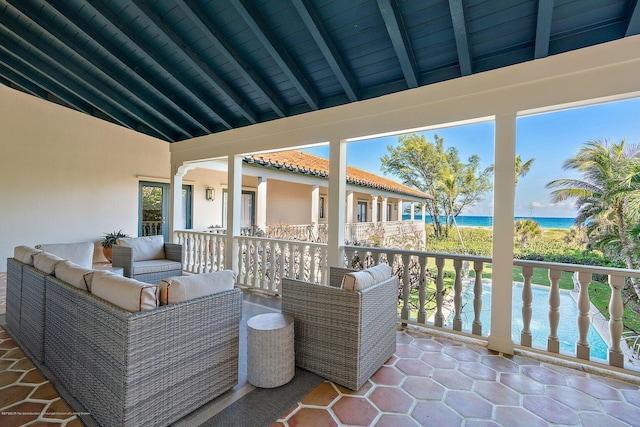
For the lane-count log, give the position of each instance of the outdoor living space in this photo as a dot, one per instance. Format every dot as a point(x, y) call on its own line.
point(434, 378)
point(194, 122)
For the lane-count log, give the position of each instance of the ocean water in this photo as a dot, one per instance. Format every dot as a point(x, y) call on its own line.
point(487, 221)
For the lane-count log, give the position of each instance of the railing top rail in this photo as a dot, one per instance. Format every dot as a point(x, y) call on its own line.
point(423, 253)
point(577, 268)
point(519, 262)
point(269, 239)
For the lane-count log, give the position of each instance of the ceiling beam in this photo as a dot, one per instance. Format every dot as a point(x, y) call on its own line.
point(96, 63)
point(329, 51)
point(141, 75)
point(80, 76)
point(206, 25)
point(400, 40)
point(195, 94)
point(543, 28)
point(195, 61)
point(37, 84)
point(14, 78)
point(457, 9)
point(56, 81)
point(255, 22)
point(633, 23)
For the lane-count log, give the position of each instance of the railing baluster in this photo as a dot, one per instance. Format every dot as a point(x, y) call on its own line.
point(582, 346)
point(616, 282)
point(243, 252)
point(312, 274)
point(457, 295)
point(553, 343)
point(405, 287)
point(526, 338)
point(272, 267)
point(439, 319)
point(422, 290)
point(476, 328)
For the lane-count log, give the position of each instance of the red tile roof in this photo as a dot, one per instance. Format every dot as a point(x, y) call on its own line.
point(309, 164)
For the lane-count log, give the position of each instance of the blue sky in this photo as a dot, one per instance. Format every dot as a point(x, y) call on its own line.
point(549, 138)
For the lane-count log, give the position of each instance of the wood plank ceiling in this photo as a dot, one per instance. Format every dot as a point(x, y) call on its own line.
point(177, 69)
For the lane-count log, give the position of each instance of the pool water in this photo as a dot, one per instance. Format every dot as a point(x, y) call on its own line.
point(567, 328)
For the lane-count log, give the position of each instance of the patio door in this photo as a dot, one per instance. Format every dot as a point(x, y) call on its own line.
point(154, 209)
point(362, 211)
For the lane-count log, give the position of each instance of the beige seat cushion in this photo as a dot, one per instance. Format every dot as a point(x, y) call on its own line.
point(128, 294)
point(182, 288)
point(380, 272)
point(155, 266)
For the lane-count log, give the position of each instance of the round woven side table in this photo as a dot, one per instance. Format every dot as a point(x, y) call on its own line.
point(270, 350)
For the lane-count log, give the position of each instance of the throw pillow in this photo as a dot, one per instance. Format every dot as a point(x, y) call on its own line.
point(182, 288)
point(128, 294)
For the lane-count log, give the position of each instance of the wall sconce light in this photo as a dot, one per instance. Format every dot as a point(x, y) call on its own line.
point(210, 194)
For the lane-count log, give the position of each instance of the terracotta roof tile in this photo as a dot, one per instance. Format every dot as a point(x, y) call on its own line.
point(309, 164)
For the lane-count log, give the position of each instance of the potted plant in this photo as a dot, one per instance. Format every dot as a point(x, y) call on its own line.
point(109, 240)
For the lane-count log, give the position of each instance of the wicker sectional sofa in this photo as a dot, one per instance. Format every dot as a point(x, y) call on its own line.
point(125, 368)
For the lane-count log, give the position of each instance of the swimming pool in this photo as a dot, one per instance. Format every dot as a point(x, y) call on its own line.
point(567, 328)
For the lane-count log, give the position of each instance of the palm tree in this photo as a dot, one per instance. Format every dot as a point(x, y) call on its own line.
point(526, 229)
point(522, 168)
point(607, 194)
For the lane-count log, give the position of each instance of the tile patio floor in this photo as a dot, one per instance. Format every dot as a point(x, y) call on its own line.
point(431, 381)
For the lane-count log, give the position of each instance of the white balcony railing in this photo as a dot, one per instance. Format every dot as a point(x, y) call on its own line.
point(423, 296)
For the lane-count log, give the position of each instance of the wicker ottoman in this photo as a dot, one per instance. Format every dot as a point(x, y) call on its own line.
point(270, 350)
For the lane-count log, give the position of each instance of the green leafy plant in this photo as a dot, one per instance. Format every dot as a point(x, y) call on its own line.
point(111, 239)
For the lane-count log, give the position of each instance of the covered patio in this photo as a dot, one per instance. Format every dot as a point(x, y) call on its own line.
point(98, 98)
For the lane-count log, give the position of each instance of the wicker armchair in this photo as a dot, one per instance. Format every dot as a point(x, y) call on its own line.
point(148, 259)
point(344, 336)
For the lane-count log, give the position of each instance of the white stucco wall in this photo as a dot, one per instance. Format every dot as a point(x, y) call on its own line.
point(291, 203)
point(66, 176)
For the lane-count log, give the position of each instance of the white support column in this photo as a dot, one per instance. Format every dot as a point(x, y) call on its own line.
point(400, 210)
point(234, 210)
point(424, 212)
point(261, 217)
point(384, 209)
point(315, 208)
point(349, 215)
point(175, 209)
point(503, 213)
point(374, 208)
point(337, 187)
point(412, 206)
point(175, 220)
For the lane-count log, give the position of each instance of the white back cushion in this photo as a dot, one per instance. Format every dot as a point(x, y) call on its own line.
point(79, 253)
point(145, 248)
point(128, 294)
point(182, 288)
